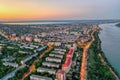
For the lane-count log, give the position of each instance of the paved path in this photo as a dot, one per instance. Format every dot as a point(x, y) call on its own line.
point(32, 69)
point(12, 74)
point(83, 72)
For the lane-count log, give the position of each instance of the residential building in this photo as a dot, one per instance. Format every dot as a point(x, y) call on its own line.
point(58, 52)
point(60, 75)
point(53, 59)
point(49, 64)
point(50, 71)
point(67, 65)
point(56, 55)
point(58, 49)
point(10, 64)
point(36, 77)
point(34, 55)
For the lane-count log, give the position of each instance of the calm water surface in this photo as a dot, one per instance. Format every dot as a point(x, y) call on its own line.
point(110, 37)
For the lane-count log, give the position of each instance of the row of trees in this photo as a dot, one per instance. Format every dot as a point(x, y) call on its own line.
point(19, 74)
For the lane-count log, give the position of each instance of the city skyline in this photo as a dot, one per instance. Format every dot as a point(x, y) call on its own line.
point(59, 10)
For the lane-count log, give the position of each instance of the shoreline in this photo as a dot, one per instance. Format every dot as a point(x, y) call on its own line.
point(111, 68)
point(98, 68)
point(118, 25)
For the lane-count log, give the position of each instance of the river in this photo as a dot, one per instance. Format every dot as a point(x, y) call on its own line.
point(110, 37)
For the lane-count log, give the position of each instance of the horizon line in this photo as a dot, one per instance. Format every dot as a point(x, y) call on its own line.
point(35, 20)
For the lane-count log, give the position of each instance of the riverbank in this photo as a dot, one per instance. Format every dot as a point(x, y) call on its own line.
point(96, 69)
point(118, 25)
point(109, 35)
point(105, 60)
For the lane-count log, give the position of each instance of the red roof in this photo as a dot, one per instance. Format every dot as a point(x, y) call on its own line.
point(70, 51)
point(68, 58)
point(67, 62)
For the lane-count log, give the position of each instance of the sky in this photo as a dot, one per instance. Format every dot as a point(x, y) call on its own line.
point(59, 9)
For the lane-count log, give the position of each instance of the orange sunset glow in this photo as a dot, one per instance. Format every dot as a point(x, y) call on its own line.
point(10, 11)
point(56, 9)
point(13, 12)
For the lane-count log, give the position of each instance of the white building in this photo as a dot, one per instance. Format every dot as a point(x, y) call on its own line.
point(37, 40)
point(50, 71)
point(56, 55)
point(36, 77)
point(10, 64)
point(48, 64)
point(57, 43)
point(58, 52)
point(58, 49)
point(53, 59)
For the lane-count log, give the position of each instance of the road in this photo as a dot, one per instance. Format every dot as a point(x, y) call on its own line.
point(83, 71)
point(12, 74)
point(31, 68)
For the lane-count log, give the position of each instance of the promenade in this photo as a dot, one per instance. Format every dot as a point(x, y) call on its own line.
point(83, 72)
